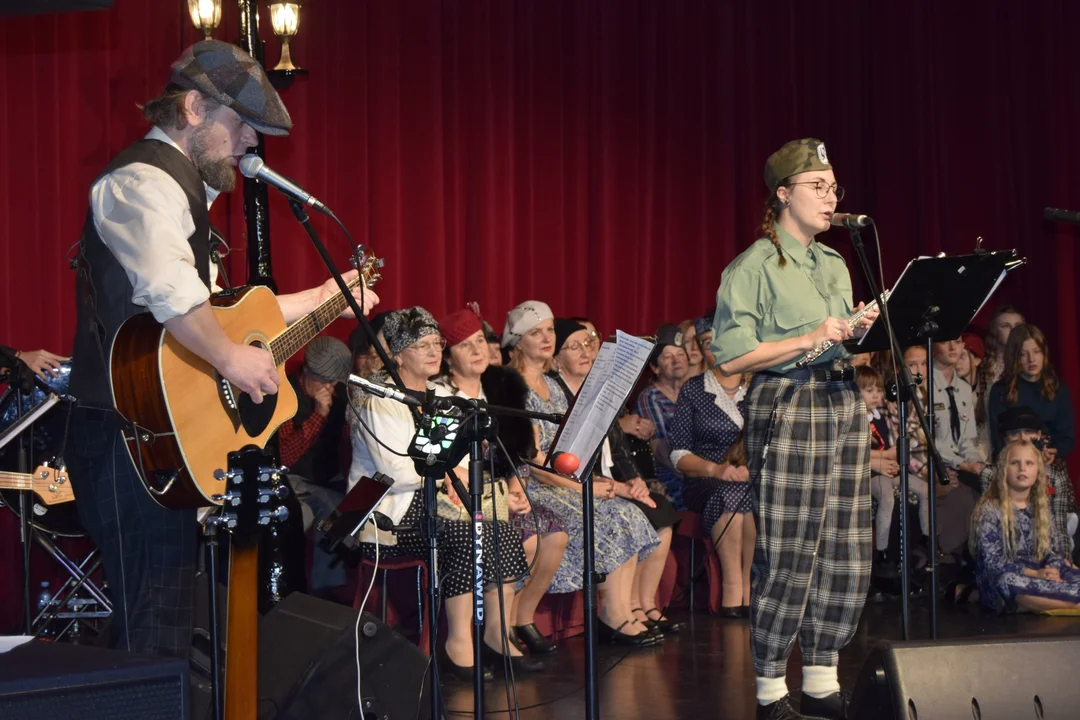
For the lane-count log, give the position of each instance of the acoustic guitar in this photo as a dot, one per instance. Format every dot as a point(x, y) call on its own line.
point(49, 484)
point(182, 417)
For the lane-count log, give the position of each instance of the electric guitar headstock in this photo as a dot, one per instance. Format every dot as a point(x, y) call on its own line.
point(51, 485)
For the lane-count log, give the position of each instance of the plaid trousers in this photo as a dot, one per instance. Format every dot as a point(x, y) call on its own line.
point(149, 552)
point(808, 445)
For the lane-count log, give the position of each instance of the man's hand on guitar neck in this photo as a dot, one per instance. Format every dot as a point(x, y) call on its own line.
point(296, 305)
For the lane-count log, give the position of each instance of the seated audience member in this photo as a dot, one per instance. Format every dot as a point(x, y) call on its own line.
point(1029, 379)
point(1019, 565)
point(704, 334)
point(1022, 423)
point(656, 403)
point(708, 419)
point(617, 467)
point(366, 361)
point(693, 352)
point(955, 432)
point(623, 534)
point(381, 429)
point(311, 443)
point(1004, 319)
point(495, 356)
point(467, 373)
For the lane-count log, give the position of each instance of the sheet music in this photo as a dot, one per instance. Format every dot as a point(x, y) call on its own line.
point(602, 395)
point(994, 290)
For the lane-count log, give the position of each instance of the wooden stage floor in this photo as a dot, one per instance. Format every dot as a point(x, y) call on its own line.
point(706, 672)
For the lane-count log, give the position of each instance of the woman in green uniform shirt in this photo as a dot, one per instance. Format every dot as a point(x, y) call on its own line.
point(807, 436)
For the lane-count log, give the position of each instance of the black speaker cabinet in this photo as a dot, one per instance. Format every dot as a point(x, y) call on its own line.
point(55, 681)
point(308, 658)
point(996, 679)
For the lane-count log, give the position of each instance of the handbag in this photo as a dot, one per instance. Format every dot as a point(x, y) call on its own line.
point(492, 502)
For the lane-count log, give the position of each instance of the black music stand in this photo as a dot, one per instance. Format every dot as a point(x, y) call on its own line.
point(934, 300)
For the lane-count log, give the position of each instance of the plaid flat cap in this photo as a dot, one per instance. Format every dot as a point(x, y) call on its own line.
point(224, 72)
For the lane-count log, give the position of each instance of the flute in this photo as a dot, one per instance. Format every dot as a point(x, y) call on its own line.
point(828, 344)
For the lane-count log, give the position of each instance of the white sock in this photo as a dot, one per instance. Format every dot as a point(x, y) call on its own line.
point(769, 690)
point(819, 681)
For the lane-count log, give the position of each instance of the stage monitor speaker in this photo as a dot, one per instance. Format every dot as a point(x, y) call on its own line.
point(307, 665)
point(37, 7)
point(999, 679)
point(47, 681)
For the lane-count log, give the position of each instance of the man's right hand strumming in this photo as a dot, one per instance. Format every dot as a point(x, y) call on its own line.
point(833, 329)
point(252, 370)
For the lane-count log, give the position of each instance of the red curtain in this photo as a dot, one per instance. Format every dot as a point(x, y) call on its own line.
point(602, 155)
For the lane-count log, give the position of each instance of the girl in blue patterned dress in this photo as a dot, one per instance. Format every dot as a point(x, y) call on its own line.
point(623, 533)
point(1018, 565)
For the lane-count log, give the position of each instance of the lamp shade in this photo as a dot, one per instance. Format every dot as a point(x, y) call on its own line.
point(205, 15)
point(285, 18)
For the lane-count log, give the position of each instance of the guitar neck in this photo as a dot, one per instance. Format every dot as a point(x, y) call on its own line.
point(300, 333)
point(16, 481)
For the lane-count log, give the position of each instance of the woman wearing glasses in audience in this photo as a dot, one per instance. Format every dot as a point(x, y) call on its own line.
point(806, 433)
point(617, 468)
point(623, 534)
point(382, 430)
point(468, 374)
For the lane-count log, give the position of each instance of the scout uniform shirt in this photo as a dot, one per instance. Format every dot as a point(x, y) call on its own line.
point(965, 448)
point(759, 301)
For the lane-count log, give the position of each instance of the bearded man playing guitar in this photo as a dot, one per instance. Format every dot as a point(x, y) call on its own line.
point(145, 248)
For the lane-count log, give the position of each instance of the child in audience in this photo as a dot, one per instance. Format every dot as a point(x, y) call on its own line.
point(884, 470)
point(1022, 423)
point(1018, 564)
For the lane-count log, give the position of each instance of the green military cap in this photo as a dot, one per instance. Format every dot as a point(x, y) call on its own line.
point(797, 156)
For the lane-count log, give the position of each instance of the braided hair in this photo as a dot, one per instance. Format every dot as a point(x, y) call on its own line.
point(773, 207)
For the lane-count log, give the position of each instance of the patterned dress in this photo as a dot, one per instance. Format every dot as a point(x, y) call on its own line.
point(621, 530)
point(1001, 578)
point(707, 422)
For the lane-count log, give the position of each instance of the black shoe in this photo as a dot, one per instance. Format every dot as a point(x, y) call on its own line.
point(730, 611)
point(665, 626)
point(830, 707)
point(531, 638)
point(612, 635)
point(465, 674)
point(744, 611)
point(782, 709)
point(522, 664)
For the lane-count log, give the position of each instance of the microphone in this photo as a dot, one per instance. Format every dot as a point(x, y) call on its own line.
point(851, 221)
point(385, 391)
point(252, 166)
point(1057, 215)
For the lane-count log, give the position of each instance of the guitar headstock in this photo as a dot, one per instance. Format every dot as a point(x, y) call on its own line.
point(368, 265)
point(254, 489)
point(51, 485)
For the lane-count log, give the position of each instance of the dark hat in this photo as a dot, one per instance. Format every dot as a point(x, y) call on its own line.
point(459, 325)
point(703, 325)
point(404, 327)
point(797, 156)
point(328, 359)
point(974, 343)
point(564, 328)
point(665, 335)
point(1019, 417)
point(224, 72)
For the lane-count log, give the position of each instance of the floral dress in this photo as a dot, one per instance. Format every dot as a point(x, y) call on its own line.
point(1001, 578)
point(621, 530)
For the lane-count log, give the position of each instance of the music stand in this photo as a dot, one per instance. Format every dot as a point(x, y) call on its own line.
point(934, 299)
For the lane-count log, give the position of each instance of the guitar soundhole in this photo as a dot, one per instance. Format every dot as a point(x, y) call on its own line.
point(245, 413)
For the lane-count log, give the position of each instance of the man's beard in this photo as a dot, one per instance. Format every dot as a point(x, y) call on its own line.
point(218, 174)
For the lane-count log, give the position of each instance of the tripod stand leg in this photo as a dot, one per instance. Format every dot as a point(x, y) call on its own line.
point(215, 647)
point(592, 709)
point(431, 530)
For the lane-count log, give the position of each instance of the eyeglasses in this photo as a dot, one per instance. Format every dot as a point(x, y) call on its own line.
point(822, 188)
point(587, 346)
point(429, 346)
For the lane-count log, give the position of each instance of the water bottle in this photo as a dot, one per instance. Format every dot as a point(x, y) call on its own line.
point(44, 601)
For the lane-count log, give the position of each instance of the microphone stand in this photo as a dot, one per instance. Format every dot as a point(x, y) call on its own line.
point(908, 398)
point(22, 379)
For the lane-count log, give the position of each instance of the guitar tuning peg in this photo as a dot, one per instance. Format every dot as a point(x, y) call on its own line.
point(220, 475)
point(280, 514)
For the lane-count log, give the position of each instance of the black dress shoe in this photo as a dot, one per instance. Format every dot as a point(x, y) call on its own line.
point(665, 626)
point(782, 709)
point(730, 611)
point(830, 707)
point(465, 674)
point(612, 635)
point(522, 664)
point(531, 638)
